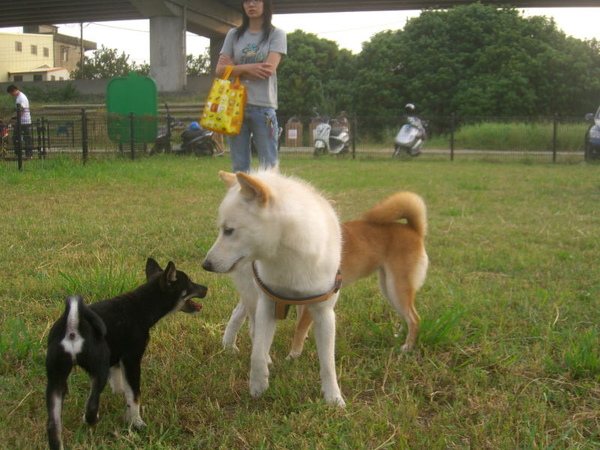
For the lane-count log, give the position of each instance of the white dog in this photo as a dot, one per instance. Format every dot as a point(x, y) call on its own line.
point(292, 236)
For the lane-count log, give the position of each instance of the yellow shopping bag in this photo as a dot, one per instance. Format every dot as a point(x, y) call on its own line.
point(224, 108)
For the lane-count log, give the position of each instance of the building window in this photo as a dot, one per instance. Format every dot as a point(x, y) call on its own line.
point(46, 52)
point(52, 78)
point(18, 46)
point(64, 54)
point(38, 77)
point(18, 78)
point(34, 49)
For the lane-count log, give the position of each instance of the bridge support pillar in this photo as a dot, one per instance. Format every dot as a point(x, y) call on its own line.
point(168, 52)
point(216, 44)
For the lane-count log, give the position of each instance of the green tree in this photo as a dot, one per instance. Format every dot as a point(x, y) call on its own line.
point(378, 82)
point(200, 65)
point(478, 60)
point(314, 74)
point(141, 69)
point(106, 63)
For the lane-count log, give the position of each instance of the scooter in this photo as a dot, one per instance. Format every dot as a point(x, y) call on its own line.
point(162, 143)
point(410, 138)
point(331, 137)
point(202, 145)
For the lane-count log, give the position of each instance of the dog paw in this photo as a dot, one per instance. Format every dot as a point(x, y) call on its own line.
point(406, 348)
point(91, 419)
point(257, 389)
point(337, 401)
point(231, 348)
point(138, 423)
point(333, 396)
point(293, 355)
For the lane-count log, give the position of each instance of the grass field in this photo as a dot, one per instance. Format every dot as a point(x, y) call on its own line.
point(509, 351)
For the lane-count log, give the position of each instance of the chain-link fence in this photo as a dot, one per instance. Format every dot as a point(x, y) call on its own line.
point(84, 132)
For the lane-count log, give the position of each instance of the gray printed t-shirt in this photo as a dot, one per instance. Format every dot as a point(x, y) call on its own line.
point(249, 49)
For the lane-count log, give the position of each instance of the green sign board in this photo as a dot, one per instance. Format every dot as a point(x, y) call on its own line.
point(132, 109)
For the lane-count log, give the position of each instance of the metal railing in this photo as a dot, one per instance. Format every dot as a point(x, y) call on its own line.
point(82, 132)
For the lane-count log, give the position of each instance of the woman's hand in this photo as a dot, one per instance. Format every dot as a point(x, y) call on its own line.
point(225, 60)
point(261, 71)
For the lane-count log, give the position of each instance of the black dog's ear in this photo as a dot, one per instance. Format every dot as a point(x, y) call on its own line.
point(170, 273)
point(152, 267)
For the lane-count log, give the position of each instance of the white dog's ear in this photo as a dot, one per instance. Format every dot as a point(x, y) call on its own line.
point(253, 189)
point(228, 178)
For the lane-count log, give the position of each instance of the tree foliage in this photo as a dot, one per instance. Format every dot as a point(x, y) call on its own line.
point(199, 65)
point(106, 63)
point(474, 60)
point(315, 75)
point(478, 60)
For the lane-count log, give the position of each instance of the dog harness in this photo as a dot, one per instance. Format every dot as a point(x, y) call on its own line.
point(282, 304)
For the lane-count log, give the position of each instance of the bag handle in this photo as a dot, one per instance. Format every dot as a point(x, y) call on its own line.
point(227, 73)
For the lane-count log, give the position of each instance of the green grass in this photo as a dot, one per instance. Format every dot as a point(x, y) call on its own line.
point(519, 136)
point(508, 354)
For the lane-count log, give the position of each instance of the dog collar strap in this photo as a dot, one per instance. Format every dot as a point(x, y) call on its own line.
point(282, 304)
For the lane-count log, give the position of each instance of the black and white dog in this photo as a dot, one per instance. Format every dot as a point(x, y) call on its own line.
point(108, 339)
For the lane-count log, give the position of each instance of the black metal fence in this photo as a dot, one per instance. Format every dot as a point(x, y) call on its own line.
point(81, 133)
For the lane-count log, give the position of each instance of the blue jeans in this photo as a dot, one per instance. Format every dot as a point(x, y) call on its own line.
point(260, 123)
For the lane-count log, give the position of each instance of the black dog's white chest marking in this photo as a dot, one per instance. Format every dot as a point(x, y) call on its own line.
point(72, 343)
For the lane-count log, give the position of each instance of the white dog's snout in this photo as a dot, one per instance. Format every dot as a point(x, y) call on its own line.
point(207, 265)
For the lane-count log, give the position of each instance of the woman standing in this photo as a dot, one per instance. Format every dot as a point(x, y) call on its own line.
point(254, 49)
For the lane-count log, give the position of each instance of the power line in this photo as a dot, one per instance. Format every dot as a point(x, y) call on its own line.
point(118, 28)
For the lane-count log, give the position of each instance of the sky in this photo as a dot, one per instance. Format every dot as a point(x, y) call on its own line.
point(349, 30)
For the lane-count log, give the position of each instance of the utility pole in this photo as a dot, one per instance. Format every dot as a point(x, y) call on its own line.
point(81, 51)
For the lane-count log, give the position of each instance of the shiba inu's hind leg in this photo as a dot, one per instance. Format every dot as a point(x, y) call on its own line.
point(400, 293)
point(303, 322)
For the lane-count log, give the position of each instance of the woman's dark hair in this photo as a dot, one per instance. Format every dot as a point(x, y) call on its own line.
point(267, 27)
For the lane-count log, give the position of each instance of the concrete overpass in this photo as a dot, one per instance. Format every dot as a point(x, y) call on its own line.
point(170, 19)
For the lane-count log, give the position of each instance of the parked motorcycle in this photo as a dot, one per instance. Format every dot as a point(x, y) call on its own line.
point(162, 143)
point(410, 138)
point(196, 140)
point(202, 144)
point(331, 136)
point(592, 137)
